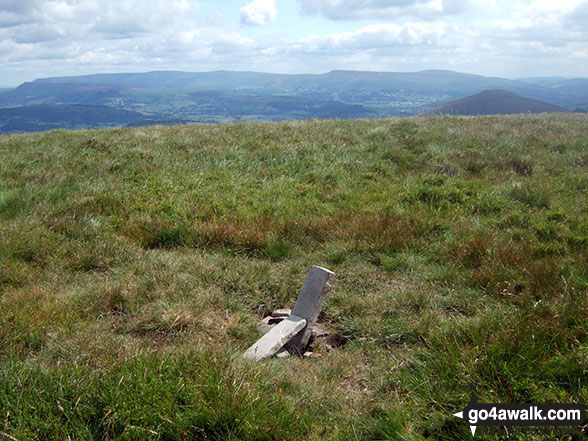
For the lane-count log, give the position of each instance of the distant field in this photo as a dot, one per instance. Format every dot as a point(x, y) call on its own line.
point(135, 263)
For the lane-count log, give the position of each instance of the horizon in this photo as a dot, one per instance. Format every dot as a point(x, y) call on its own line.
point(12, 86)
point(527, 38)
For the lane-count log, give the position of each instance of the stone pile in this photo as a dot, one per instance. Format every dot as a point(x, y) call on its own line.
point(291, 331)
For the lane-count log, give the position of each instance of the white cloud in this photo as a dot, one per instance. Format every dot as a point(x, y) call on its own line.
point(577, 18)
point(56, 37)
point(383, 9)
point(14, 12)
point(108, 17)
point(37, 33)
point(381, 36)
point(497, 37)
point(259, 12)
point(385, 47)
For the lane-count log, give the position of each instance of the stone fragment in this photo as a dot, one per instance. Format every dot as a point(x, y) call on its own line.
point(264, 328)
point(281, 313)
point(318, 331)
point(264, 325)
point(276, 338)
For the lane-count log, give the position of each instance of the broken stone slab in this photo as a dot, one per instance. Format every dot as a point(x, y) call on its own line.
point(281, 313)
point(309, 304)
point(276, 338)
point(267, 323)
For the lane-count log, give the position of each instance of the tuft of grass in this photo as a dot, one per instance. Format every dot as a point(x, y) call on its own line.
point(187, 396)
point(337, 257)
point(278, 249)
point(523, 167)
point(531, 196)
point(391, 263)
point(12, 203)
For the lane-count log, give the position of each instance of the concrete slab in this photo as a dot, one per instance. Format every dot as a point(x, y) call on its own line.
point(276, 338)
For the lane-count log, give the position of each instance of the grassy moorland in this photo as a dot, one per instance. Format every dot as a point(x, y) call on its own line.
point(135, 263)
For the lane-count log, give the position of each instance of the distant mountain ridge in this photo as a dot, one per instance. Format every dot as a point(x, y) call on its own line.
point(495, 102)
point(439, 82)
point(339, 81)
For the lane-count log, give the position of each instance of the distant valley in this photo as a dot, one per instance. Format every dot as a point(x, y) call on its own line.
point(224, 96)
point(42, 117)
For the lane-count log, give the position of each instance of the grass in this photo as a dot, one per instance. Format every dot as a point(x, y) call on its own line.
point(134, 264)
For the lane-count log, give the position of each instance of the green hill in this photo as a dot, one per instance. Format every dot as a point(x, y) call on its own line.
point(135, 264)
point(495, 102)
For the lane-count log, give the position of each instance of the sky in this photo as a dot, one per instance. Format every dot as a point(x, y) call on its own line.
point(506, 38)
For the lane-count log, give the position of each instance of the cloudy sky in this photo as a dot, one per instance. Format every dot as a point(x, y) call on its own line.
point(40, 38)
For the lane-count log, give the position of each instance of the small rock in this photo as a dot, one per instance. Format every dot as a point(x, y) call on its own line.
point(307, 354)
point(264, 325)
point(282, 353)
point(282, 313)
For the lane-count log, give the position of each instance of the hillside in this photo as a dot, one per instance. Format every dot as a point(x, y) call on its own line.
point(166, 105)
point(38, 118)
point(494, 102)
point(60, 93)
point(135, 264)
